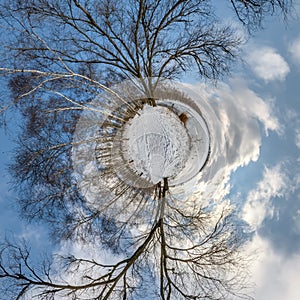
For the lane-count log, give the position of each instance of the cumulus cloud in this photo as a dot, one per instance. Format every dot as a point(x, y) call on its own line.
point(294, 49)
point(250, 105)
point(258, 204)
point(267, 64)
point(241, 111)
point(238, 114)
point(276, 276)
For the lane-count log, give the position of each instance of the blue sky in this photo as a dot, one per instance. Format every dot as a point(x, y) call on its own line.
point(262, 108)
point(268, 189)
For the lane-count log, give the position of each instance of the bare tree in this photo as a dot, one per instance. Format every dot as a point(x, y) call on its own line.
point(142, 39)
point(253, 12)
point(57, 57)
point(60, 55)
point(183, 255)
point(184, 250)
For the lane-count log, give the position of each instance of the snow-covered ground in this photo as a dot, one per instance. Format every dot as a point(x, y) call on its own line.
point(156, 143)
point(199, 136)
point(159, 144)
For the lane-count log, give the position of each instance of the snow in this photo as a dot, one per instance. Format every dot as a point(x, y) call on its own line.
point(157, 143)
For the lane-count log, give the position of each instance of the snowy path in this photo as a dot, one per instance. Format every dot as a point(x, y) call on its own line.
point(157, 142)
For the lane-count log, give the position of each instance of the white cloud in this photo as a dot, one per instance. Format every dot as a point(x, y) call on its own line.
point(276, 277)
point(235, 123)
point(240, 111)
point(294, 49)
point(253, 106)
point(297, 137)
point(267, 64)
point(258, 204)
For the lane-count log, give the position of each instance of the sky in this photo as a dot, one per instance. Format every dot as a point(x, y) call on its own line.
point(266, 190)
point(259, 108)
